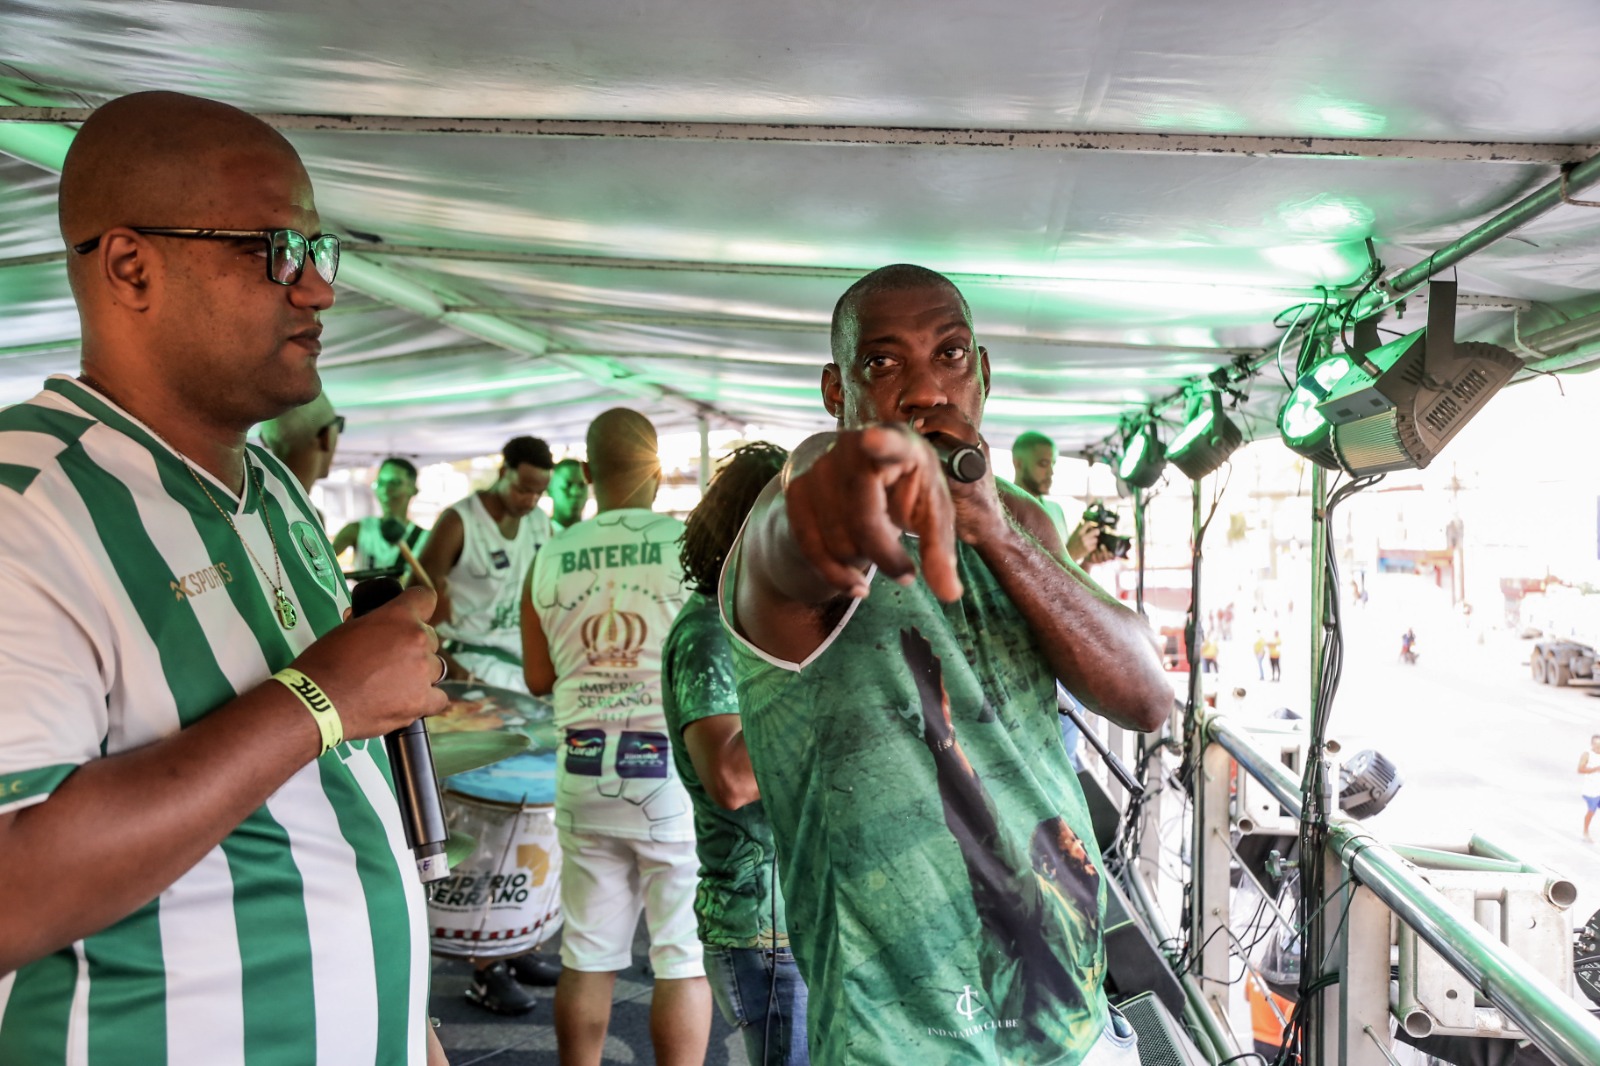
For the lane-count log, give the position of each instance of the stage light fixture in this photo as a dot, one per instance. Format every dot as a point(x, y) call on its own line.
point(1300, 424)
point(1208, 436)
point(1143, 457)
point(1399, 404)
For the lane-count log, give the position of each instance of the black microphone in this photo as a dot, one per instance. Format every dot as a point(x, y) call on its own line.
point(961, 461)
point(416, 788)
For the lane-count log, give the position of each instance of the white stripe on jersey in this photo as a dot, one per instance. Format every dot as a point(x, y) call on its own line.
point(343, 979)
point(200, 953)
point(375, 787)
point(141, 708)
point(37, 450)
point(78, 1019)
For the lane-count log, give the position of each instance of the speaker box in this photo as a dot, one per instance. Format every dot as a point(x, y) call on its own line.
point(1104, 816)
point(1163, 1041)
point(1134, 965)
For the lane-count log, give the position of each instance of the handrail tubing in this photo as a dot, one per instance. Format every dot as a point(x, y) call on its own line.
point(1547, 1015)
point(1218, 1032)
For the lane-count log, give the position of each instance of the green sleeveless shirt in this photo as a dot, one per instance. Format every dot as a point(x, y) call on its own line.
point(942, 880)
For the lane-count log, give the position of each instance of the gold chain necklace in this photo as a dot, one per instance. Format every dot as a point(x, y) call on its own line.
point(287, 617)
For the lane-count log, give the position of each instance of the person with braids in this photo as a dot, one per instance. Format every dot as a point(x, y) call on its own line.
point(738, 906)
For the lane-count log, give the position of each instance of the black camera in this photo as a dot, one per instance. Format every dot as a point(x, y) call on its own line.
point(1105, 520)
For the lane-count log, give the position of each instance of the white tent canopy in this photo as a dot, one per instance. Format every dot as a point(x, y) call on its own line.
point(553, 208)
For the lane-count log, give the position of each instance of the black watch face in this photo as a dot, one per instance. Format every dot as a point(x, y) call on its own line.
point(1586, 958)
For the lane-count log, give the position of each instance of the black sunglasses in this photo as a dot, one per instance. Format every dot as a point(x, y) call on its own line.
point(337, 425)
point(286, 248)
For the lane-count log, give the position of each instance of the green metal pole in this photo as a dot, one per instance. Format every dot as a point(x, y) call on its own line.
point(1320, 1021)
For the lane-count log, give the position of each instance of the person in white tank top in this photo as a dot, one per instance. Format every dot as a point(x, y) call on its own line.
point(395, 488)
point(478, 557)
point(599, 604)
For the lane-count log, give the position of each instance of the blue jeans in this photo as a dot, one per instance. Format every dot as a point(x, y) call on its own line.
point(744, 981)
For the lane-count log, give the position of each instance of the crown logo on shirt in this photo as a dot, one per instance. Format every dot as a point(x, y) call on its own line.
point(614, 638)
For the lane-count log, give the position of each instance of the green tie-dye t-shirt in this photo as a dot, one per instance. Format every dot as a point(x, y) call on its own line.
point(734, 904)
point(935, 850)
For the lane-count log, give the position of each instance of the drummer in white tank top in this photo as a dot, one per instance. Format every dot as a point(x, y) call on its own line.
point(478, 557)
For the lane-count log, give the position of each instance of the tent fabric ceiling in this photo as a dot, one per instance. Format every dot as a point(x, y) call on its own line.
point(701, 273)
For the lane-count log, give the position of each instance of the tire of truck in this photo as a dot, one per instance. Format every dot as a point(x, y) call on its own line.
point(1559, 669)
point(1536, 662)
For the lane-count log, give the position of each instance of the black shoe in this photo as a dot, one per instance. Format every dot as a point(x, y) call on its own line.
point(495, 989)
point(541, 971)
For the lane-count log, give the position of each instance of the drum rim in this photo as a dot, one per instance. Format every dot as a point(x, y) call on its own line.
point(501, 804)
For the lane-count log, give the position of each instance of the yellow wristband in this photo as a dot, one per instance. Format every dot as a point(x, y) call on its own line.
point(318, 703)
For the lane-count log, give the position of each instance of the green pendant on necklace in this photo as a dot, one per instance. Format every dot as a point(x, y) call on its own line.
point(286, 613)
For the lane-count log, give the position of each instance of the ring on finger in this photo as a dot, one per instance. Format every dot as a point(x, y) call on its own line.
point(444, 669)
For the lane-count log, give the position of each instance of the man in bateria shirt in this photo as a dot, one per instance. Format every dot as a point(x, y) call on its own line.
point(937, 862)
point(478, 556)
point(602, 596)
point(227, 875)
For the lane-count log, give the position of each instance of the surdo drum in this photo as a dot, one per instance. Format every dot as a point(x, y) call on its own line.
point(504, 897)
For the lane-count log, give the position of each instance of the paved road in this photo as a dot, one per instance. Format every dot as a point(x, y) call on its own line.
point(1480, 745)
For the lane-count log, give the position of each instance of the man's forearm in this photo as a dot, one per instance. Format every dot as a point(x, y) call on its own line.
point(1098, 648)
point(121, 829)
point(774, 554)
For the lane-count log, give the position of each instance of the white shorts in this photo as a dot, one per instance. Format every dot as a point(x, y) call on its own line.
point(607, 881)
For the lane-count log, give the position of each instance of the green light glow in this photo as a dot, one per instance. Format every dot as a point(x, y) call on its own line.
point(1301, 420)
point(1132, 456)
point(1329, 116)
point(1203, 118)
point(1192, 430)
point(1328, 216)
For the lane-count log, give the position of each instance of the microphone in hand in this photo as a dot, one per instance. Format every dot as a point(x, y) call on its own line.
point(411, 757)
point(961, 461)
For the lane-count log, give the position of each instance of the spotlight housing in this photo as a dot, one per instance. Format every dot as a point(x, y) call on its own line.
point(1143, 457)
point(1399, 404)
point(1208, 437)
point(1301, 425)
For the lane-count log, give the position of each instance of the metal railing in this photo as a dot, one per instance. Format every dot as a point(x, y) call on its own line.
point(1549, 1016)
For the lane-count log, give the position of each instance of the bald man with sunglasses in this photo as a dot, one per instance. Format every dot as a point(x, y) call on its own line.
point(186, 745)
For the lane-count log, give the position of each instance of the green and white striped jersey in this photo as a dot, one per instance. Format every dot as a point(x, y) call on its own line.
point(131, 611)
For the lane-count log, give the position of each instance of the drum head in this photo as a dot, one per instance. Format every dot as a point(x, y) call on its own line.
point(478, 713)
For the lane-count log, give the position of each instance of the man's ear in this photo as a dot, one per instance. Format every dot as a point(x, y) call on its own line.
point(833, 390)
point(126, 264)
point(983, 364)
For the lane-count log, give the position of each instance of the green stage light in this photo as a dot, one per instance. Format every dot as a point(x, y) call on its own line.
point(1208, 437)
point(1301, 425)
point(1399, 404)
point(1143, 457)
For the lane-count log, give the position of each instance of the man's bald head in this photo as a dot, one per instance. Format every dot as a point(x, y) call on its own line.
point(623, 455)
point(897, 277)
point(160, 159)
point(187, 322)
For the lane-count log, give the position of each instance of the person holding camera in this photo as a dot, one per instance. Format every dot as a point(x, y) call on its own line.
point(1033, 459)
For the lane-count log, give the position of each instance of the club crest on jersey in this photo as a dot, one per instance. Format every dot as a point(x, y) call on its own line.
point(315, 555)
